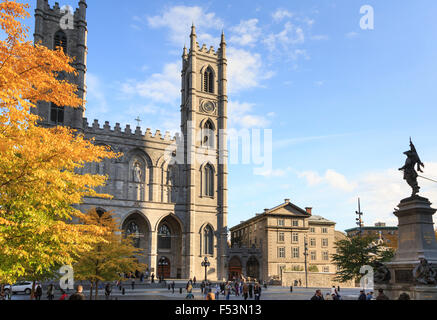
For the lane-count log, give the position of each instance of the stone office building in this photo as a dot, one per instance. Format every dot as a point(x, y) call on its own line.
point(175, 206)
point(277, 240)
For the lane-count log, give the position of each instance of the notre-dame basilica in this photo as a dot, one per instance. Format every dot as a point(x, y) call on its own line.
point(173, 204)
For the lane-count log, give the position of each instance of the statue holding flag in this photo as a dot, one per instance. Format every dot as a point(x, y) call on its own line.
point(410, 173)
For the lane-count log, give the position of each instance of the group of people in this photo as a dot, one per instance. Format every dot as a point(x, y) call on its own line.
point(238, 288)
point(334, 295)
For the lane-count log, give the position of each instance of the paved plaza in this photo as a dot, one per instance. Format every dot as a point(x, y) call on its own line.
point(271, 293)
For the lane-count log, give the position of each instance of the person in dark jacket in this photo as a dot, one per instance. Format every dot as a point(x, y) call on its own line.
point(318, 296)
point(78, 295)
point(381, 295)
point(38, 293)
point(362, 296)
point(250, 290)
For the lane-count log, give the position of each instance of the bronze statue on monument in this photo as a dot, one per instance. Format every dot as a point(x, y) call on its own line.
point(410, 173)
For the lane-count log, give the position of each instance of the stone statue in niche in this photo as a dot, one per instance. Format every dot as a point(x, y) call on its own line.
point(137, 172)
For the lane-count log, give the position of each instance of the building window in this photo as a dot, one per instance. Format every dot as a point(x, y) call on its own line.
point(295, 237)
point(60, 41)
point(56, 114)
point(281, 252)
point(312, 242)
point(313, 255)
point(281, 237)
point(164, 237)
point(325, 255)
point(208, 81)
point(296, 252)
point(324, 230)
point(209, 180)
point(281, 222)
point(208, 134)
point(324, 242)
point(295, 223)
point(312, 230)
point(326, 269)
point(208, 241)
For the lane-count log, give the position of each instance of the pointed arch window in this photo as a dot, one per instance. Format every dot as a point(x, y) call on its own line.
point(209, 180)
point(61, 41)
point(208, 134)
point(164, 237)
point(208, 241)
point(56, 114)
point(208, 80)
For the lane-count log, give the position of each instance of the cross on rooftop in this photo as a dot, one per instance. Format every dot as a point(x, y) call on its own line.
point(138, 120)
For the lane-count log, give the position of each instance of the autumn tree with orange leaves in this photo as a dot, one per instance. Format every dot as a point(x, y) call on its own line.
point(39, 180)
point(109, 258)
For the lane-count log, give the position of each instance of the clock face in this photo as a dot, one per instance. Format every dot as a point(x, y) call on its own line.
point(209, 107)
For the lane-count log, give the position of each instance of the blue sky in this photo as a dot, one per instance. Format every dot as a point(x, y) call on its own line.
point(342, 102)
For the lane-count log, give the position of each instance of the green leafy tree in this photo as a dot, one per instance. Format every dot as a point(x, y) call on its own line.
point(355, 252)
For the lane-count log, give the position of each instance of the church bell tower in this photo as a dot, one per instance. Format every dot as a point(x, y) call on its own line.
point(203, 124)
point(55, 27)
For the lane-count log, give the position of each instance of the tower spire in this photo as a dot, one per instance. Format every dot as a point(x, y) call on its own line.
point(193, 37)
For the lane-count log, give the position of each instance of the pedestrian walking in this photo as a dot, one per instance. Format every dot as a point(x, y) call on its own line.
point(369, 296)
point(78, 295)
point(64, 295)
point(381, 295)
point(194, 281)
point(257, 291)
point(227, 290)
point(172, 286)
point(250, 290)
point(362, 296)
point(38, 292)
point(51, 292)
point(142, 276)
point(217, 291)
point(317, 296)
point(153, 278)
point(245, 291)
point(108, 290)
point(133, 284)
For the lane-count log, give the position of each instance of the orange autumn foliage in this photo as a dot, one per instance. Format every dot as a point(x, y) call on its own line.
point(39, 180)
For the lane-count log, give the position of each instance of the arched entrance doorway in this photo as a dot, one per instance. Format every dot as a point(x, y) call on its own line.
point(137, 226)
point(235, 268)
point(170, 246)
point(164, 267)
point(252, 268)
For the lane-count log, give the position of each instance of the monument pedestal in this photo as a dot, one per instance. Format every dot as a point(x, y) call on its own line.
point(416, 240)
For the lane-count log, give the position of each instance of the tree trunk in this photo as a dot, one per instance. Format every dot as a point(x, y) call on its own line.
point(97, 291)
point(91, 290)
point(32, 292)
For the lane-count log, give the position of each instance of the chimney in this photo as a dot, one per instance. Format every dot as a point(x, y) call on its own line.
point(309, 210)
point(287, 200)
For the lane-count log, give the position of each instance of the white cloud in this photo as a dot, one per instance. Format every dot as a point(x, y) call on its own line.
point(245, 70)
point(351, 35)
point(331, 177)
point(280, 14)
point(178, 20)
point(380, 191)
point(246, 33)
point(320, 37)
point(290, 35)
point(159, 87)
point(241, 115)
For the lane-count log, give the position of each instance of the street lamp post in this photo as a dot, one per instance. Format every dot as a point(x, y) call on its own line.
point(206, 264)
point(306, 261)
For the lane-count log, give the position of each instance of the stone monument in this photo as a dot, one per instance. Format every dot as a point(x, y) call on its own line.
point(413, 270)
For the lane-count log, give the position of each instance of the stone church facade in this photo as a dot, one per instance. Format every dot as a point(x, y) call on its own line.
point(170, 192)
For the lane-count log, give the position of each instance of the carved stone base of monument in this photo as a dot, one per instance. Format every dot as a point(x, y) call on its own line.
point(416, 242)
